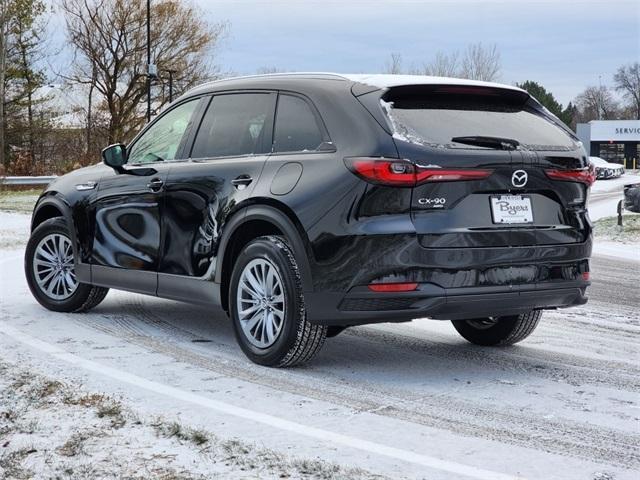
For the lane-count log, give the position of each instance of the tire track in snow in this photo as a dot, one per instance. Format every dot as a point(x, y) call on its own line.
point(604, 445)
point(545, 364)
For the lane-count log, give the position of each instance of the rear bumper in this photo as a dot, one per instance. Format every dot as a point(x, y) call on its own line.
point(361, 306)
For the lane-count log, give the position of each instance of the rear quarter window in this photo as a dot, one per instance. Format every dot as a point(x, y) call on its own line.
point(296, 128)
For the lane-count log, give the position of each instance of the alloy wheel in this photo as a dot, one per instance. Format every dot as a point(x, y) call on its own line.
point(53, 267)
point(261, 302)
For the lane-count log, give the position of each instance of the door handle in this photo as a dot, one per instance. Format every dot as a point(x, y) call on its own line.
point(241, 182)
point(155, 185)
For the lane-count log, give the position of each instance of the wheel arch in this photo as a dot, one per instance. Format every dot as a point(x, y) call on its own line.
point(48, 207)
point(265, 217)
point(52, 205)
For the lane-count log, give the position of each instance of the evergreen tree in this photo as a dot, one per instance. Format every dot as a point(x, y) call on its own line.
point(21, 40)
point(547, 99)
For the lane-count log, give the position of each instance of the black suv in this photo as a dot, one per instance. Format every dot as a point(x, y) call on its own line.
point(306, 203)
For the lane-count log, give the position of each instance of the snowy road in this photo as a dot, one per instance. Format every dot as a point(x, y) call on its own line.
point(605, 195)
point(411, 400)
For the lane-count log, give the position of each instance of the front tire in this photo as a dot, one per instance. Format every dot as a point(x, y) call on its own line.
point(498, 331)
point(267, 306)
point(49, 269)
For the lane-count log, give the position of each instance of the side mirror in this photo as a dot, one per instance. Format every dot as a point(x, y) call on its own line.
point(115, 156)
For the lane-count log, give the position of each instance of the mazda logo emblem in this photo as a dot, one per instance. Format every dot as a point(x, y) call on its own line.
point(519, 178)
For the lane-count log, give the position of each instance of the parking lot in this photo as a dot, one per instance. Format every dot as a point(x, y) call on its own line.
point(397, 400)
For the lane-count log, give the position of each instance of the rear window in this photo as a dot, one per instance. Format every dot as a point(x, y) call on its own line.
point(433, 116)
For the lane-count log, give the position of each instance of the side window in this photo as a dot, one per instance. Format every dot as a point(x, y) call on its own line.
point(234, 125)
point(161, 141)
point(296, 126)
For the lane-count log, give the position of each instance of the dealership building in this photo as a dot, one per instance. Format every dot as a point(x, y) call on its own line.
point(617, 141)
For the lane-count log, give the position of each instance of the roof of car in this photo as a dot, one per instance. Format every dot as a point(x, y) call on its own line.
point(603, 161)
point(388, 81)
point(381, 81)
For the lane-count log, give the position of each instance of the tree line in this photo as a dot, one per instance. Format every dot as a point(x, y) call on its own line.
point(107, 40)
point(40, 133)
point(482, 62)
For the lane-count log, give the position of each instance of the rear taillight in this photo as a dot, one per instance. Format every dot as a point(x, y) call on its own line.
point(399, 173)
point(403, 173)
point(583, 175)
point(393, 287)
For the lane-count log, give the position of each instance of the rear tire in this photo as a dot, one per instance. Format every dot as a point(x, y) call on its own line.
point(498, 331)
point(49, 254)
point(267, 306)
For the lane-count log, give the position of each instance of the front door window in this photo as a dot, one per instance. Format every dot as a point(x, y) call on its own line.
point(161, 142)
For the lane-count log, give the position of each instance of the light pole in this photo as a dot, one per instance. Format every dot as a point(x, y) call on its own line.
point(600, 102)
point(151, 68)
point(170, 72)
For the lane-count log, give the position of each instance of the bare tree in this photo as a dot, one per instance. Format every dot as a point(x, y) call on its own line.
point(109, 39)
point(481, 63)
point(596, 103)
point(394, 64)
point(5, 13)
point(89, 116)
point(627, 81)
point(477, 63)
point(266, 70)
point(443, 65)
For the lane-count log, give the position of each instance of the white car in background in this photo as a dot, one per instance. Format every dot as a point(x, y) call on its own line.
point(605, 169)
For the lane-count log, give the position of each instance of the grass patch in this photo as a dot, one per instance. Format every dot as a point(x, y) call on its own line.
point(608, 229)
point(199, 437)
point(49, 429)
point(19, 201)
point(186, 434)
point(11, 463)
point(49, 387)
point(87, 400)
point(75, 445)
point(112, 410)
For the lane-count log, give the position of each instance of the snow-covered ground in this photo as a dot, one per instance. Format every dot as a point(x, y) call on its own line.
point(51, 429)
point(628, 252)
point(401, 401)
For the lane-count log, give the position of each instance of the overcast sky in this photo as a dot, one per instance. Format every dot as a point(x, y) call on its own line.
point(565, 45)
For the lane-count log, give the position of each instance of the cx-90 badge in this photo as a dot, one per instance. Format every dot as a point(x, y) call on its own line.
point(437, 202)
point(519, 178)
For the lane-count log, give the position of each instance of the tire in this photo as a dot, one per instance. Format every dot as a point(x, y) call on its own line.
point(498, 331)
point(69, 296)
point(293, 340)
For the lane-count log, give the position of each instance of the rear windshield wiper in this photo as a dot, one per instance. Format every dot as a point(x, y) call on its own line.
point(498, 143)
